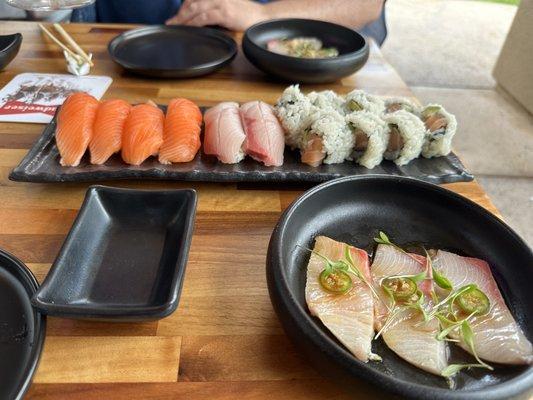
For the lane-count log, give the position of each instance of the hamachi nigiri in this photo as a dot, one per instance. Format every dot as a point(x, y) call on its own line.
point(181, 138)
point(75, 127)
point(497, 336)
point(107, 129)
point(349, 316)
point(224, 134)
point(406, 333)
point(143, 133)
point(265, 140)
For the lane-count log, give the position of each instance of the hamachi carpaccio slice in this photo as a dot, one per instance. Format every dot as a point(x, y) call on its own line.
point(349, 316)
point(497, 336)
point(107, 129)
point(143, 133)
point(265, 139)
point(75, 127)
point(407, 335)
point(224, 134)
point(181, 138)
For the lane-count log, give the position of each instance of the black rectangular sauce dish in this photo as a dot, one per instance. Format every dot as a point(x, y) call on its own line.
point(124, 258)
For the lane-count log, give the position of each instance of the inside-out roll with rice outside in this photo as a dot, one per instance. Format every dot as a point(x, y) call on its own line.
point(328, 140)
point(406, 137)
point(441, 127)
point(330, 128)
point(371, 137)
point(295, 112)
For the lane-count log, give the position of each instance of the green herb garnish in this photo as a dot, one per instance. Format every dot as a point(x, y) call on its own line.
point(334, 276)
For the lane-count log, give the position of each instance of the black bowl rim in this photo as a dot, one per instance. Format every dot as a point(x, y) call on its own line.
point(132, 33)
point(40, 323)
point(301, 317)
point(118, 313)
point(342, 57)
point(17, 39)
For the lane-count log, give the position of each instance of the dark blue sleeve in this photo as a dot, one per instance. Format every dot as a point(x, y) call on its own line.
point(128, 11)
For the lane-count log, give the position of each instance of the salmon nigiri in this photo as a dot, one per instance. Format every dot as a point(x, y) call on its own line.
point(107, 129)
point(143, 133)
point(181, 140)
point(75, 127)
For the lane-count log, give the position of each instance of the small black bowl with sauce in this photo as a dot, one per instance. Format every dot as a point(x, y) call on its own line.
point(352, 47)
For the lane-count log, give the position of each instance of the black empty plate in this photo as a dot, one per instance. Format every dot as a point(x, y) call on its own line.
point(124, 258)
point(353, 210)
point(22, 328)
point(172, 51)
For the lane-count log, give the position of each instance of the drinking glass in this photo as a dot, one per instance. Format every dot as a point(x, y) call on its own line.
point(48, 5)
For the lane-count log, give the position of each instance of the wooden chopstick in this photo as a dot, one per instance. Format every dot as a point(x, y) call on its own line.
point(73, 44)
point(56, 41)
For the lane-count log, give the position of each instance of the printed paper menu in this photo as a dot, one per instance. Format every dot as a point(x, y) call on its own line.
point(34, 98)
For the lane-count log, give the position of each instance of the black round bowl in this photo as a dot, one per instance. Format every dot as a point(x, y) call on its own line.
point(353, 210)
point(172, 51)
point(353, 50)
point(9, 48)
point(22, 328)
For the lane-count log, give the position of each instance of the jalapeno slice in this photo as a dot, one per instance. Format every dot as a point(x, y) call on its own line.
point(335, 281)
point(354, 105)
point(400, 288)
point(474, 300)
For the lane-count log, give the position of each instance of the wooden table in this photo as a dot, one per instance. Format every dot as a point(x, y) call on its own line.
point(224, 341)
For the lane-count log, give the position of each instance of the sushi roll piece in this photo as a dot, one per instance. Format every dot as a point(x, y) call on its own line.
point(441, 127)
point(294, 110)
point(328, 140)
point(327, 100)
point(359, 100)
point(371, 137)
point(401, 103)
point(406, 137)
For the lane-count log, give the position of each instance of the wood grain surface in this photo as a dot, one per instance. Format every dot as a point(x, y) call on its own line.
point(224, 341)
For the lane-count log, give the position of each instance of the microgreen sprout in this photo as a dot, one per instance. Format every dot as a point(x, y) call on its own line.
point(335, 278)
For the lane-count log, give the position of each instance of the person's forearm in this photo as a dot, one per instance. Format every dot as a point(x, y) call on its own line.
point(351, 13)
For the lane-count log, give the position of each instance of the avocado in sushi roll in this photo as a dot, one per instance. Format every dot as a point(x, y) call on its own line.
point(441, 127)
point(359, 100)
point(406, 137)
point(370, 138)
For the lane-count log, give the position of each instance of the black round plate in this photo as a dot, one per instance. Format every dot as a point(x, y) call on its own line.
point(22, 328)
point(353, 210)
point(172, 51)
point(353, 50)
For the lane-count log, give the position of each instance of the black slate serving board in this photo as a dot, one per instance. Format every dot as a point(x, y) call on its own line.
point(41, 164)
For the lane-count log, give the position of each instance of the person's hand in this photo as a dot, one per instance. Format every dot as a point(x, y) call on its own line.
point(236, 15)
